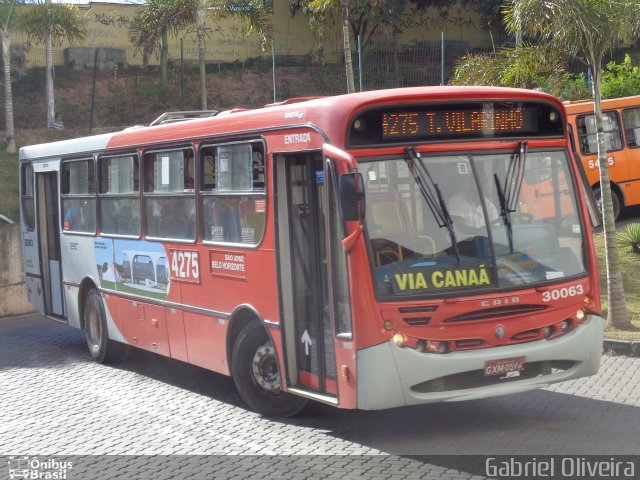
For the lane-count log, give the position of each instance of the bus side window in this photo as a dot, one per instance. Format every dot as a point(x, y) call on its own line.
point(169, 194)
point(119, 198)
point(631, 121)
point(78, 195)
point(586, 125)
point(233, 201)
point(27, 197)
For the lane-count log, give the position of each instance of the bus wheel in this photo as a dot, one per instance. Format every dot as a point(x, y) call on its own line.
point(101, 348)
point(254, 366)
point(615, 199)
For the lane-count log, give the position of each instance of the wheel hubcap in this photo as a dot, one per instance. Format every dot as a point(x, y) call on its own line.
point(93, 330)
point(264, 368)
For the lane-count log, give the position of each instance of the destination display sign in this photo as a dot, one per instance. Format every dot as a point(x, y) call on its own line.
point(455, 121)
point(439, 123)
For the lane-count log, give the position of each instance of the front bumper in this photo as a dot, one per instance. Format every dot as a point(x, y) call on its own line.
point(390, 376)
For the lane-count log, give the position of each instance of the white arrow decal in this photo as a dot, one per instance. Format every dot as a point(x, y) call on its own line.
point(306, 339)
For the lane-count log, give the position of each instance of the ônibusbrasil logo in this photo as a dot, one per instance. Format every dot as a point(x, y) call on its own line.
point(35, 468)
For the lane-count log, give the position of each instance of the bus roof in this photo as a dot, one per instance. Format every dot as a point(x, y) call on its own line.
point(329, 114)
point(574, 107)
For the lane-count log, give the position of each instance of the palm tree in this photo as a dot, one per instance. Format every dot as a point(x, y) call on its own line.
point(344, 13)
point(589, 28)
point(46, 23)
point(7, 15)
point(156, 18)
point(152, 23)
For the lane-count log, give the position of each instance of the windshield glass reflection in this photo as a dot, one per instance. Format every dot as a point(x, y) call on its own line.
point(437, 224)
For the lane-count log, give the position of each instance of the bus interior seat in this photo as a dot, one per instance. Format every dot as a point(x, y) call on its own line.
point(225, 225)
point(251, 221)
point(387, 228)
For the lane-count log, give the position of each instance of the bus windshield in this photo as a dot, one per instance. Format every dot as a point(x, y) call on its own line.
point(439, 224)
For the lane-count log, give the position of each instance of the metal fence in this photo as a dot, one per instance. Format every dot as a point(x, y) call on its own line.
point(107, 87)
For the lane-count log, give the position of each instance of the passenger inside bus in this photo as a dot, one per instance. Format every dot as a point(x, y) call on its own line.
point(73, 217)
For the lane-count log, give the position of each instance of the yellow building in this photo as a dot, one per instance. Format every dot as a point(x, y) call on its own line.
point(108, 29)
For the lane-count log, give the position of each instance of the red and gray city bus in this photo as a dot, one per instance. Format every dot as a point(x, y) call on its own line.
point(368, 251)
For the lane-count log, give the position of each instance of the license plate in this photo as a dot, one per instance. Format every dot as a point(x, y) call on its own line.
point(503, 366)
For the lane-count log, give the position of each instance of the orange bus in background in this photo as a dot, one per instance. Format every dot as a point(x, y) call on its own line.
point(368, 251)
point(622, 141)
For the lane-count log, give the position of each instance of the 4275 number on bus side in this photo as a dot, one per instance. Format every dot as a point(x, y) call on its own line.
point(185, 266)
point(565, 292)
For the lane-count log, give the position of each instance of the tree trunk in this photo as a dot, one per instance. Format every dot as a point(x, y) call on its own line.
point(10, 133)
point(164, 59)
point(344, 10)
point(51, 110)
point(618, 316)
point(396, 64)
point(200, 31)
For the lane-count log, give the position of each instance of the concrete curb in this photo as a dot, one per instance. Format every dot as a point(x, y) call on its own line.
point(622, 347)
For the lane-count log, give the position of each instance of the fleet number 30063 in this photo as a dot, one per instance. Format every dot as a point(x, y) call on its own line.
point(565, 292)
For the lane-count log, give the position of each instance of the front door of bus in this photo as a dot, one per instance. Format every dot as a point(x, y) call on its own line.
point(49, 241)
point(308, 329)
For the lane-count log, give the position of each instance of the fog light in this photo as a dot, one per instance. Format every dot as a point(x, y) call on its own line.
point(546, 331)
point(399, 339)
point(580, 315)
point(434, 346)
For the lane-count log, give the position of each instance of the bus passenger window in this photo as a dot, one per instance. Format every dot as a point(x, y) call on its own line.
point(631, 121)
point(119, 197)
point(586, 125)
point(169, 194)
point(233, 200)
point(78, 195)
point(28, 207)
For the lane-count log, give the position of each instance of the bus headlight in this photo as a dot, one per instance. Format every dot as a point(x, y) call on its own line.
point(399, 339)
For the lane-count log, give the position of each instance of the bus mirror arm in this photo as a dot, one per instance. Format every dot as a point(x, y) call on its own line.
point(340, 156)
point(350, 240)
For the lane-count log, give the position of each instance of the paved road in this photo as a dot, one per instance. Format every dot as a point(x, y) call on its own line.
point(55, 401)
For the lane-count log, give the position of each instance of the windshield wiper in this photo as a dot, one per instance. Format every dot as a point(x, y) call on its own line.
point(508, 195)
point(432, 195)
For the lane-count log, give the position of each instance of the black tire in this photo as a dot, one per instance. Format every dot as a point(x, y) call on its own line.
point(615, 199)
point(254, 367)
point(101, 348)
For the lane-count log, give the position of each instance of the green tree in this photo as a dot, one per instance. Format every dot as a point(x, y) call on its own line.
point(364, 18)
point(319, 12)
point(152, 23)
point(157, 18)
point(48, 23)
point(359, 18)
point(528, 66)
point(621, 79)
point(589, 28)
point(7, 17)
